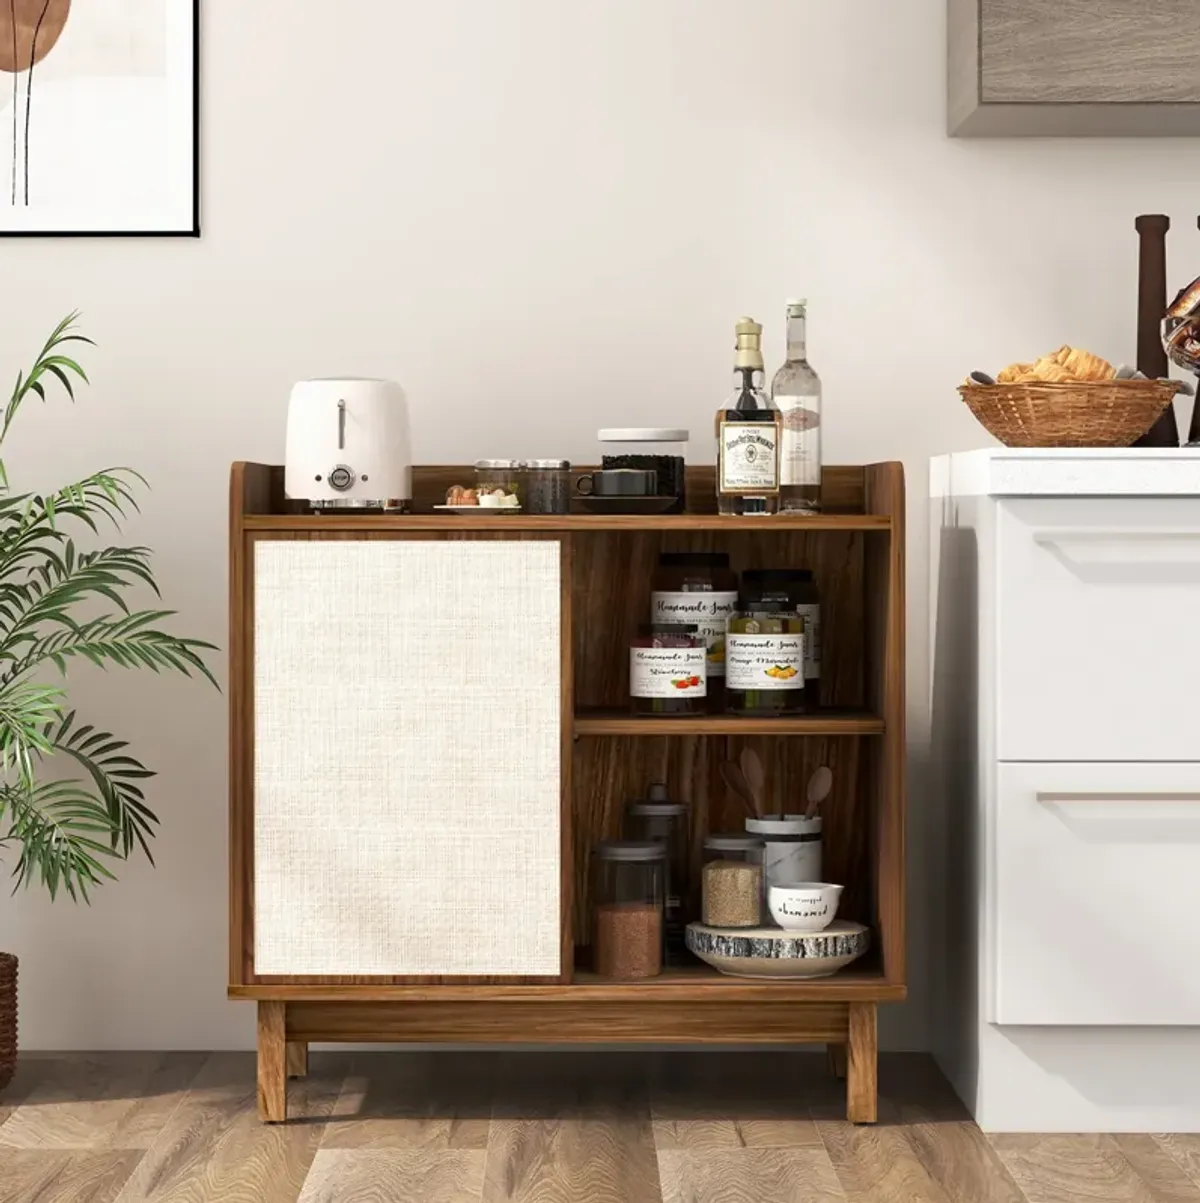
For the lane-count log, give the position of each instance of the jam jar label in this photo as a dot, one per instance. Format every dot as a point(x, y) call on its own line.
point(708, 611)
point(667, 672)
point(764, 661)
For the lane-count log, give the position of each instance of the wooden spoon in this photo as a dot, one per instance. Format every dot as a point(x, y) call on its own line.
point(819, 786)
point(756, 779)
point(736, 781)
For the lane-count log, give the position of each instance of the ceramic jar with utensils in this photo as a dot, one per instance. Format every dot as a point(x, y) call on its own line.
point(791, 849)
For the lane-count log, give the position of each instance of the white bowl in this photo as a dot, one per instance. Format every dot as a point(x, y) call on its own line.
point(804, 905)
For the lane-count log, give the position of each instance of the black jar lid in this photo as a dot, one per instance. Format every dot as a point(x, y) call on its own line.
point(631, 850)
point(667, 628)
point(777, 574)
point(656, 810)
point(753, 604)
point(694, 559)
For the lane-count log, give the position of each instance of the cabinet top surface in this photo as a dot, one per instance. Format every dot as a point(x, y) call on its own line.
point(1067, 472)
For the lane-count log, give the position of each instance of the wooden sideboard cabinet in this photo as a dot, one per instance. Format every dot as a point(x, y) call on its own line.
point(430, 730)
point(1036, 67)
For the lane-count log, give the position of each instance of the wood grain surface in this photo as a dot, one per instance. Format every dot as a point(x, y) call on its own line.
point(719, 1127)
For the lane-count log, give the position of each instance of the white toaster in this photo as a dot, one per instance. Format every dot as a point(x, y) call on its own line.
point(348, 445)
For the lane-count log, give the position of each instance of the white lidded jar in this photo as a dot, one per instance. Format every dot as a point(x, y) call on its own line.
point(793, 848)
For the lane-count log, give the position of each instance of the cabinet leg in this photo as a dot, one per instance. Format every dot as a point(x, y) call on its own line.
point(297, 1058)
point(272, 1063)
point(862, 1085)
point(835, 1054)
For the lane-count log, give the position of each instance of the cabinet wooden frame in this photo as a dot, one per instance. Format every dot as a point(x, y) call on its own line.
point(857, 547)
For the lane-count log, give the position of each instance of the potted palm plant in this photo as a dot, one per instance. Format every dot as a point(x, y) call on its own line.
point(62, 603)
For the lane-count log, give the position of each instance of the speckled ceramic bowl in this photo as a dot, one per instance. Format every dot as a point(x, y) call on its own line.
point(767, 952)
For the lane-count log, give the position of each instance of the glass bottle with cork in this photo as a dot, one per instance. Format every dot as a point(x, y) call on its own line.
point(748, 434)
point(796, 392)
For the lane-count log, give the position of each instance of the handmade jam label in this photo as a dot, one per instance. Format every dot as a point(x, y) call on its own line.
point(708, 611)
point(667, 672)
point(764, 661)
point(811, 613)
point(749, 455)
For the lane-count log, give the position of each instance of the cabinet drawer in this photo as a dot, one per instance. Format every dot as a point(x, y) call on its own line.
point(1098, 630)
point(1096, 902)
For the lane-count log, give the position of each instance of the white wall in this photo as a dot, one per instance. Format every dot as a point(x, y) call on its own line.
point(542, 217)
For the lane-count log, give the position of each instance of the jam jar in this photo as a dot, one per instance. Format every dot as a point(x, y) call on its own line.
point(798, 587)
point(764, 659)
point(667, 669)
point(699, 587)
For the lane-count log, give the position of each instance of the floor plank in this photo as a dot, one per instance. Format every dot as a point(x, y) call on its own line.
point(1167, 1180)
point(214, 1148)
point(878, 1164)
point(748, 1176)
point(29, 1176)
point(100, 1101)
point(414, 1100)
point(1184, 1150)
point(395, 1175)
point(1089, 1168)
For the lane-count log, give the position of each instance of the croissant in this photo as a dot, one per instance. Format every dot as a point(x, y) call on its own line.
point(1049, 370)
point(1014, 373)
point(1085, 366)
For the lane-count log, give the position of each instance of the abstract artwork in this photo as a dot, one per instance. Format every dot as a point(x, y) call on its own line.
point(98, 117)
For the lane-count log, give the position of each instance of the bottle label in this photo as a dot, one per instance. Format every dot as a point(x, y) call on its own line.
point(764, 661)
point(749, 455)
point(667, 672)
point(800, 445)
point(707, 610)
point(811, 613)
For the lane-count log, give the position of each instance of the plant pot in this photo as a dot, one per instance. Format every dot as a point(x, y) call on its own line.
point(8, 1018)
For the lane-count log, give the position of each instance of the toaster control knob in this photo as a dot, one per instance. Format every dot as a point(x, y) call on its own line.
point(341, 478)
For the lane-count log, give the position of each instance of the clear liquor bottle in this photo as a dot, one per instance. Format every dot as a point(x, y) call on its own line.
point(748, 433)
point(796, 391)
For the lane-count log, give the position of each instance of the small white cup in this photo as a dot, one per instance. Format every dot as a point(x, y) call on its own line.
point(804, 905)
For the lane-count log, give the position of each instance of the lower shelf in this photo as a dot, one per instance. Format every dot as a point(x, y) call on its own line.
point(696, 983)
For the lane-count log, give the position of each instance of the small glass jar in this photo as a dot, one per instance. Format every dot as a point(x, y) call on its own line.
point(503, 474)
point(764, 660)
point(663, 451)
point(547, 486)
point(699, 587)
point(792, 848)
point(628, 892)
point(667, 669)
point(731, 884)
point(798, 587)
point(655, 817)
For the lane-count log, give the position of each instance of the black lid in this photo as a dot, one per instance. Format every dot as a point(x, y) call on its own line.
point(659, 810)
point(777, 574)
point(667, 628)
point(694, 559)
point(631, 850)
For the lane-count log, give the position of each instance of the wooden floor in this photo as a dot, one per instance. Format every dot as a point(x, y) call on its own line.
point(540, 1128)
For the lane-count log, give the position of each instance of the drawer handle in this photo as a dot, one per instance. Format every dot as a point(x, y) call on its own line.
point(1051, 797)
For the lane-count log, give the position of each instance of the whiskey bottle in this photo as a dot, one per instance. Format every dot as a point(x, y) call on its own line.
point(796, 391)
point(748, 434)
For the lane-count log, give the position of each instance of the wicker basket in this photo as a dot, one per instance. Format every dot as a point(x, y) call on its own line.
point(1109, 413)
point(8, 1018)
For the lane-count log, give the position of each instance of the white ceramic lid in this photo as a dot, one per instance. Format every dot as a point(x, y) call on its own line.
point(642, 434)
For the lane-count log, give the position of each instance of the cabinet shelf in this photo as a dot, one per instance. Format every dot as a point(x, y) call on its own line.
point(621, 722)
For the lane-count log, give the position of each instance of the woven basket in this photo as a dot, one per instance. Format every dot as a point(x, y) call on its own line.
point(8, 1018)
point(1109, 413)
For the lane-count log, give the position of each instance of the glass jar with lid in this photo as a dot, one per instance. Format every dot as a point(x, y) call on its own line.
point(667, 670)
point(662, 450)
point(656, 817)
point(698, 587)
point(547, 486)
point(731, 884)
point(505, 475)
point(628, 894)
point(764, 659)
point(798, 587)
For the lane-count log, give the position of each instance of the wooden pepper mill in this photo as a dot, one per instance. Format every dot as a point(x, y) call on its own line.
point(1152, 305)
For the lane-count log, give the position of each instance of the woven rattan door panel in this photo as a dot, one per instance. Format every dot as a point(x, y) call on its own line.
point(406, 757)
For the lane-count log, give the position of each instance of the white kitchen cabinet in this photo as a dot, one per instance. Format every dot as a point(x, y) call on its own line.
point(1065, 660)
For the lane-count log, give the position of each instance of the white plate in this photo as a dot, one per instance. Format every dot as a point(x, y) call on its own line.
point(480, 509)
point(768, 952)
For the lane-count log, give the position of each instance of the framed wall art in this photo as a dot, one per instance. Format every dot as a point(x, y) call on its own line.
point(99, 127)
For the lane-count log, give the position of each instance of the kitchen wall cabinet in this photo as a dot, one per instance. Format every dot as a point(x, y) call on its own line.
point(1064, 590)
point(1116, 67)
